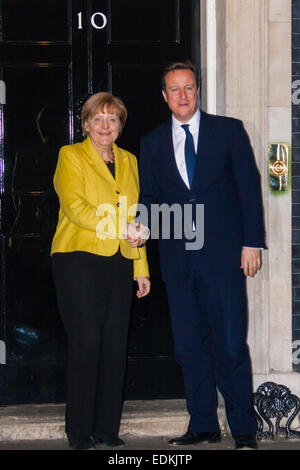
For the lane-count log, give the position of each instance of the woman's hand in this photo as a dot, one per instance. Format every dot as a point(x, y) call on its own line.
point(143, 286)
point(136, 234)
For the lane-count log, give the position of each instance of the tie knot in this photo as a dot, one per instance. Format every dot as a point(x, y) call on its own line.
point(185, 127)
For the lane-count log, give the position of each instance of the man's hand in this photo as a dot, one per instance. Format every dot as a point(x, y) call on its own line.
point(251, 260)
point(144, 286)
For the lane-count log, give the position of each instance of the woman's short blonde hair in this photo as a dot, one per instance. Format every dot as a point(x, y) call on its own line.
point(104, 102)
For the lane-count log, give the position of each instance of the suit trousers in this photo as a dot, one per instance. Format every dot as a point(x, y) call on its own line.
point(209, 322)
point(94, 295)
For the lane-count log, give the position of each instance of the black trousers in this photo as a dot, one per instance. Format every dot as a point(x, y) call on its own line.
point(94, 296)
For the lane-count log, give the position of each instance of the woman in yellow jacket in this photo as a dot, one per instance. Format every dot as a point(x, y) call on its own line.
point(94, 264)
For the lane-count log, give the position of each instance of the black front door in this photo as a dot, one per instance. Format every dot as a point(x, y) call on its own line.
point(54, 53)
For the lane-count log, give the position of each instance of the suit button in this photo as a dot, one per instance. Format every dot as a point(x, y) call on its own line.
point(118, 204)
point(118, 192)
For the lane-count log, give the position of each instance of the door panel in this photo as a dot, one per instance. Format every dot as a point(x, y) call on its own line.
point(34, 330)
point(142, 105)
point(55, 53)
point(144, 22)
point(30, 20)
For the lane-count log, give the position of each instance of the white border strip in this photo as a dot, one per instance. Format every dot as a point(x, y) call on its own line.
point(2, 352)
point(211, 48)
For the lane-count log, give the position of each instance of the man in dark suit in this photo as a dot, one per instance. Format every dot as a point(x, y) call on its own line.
point(200, 159)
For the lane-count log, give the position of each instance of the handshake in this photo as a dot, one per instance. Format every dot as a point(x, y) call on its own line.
point(136, 234)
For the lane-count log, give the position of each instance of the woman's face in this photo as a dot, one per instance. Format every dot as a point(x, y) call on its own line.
point(103, 127)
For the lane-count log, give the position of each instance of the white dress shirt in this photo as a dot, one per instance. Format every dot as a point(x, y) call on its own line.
point(178, 134)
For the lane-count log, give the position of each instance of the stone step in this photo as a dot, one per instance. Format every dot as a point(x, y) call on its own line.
point(139, 418)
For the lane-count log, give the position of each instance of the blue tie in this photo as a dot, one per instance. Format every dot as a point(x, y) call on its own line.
point(189, 150)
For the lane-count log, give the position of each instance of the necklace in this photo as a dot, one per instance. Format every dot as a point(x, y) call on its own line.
point(111, 160)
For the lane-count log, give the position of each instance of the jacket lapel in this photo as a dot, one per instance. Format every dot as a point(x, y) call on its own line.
point(205, 145)
point(119, 166)
point(98, 163)
point(168, 151)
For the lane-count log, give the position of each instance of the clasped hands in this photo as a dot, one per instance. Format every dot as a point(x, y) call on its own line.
point(136, 234)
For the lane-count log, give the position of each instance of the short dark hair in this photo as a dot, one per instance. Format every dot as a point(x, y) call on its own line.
point(187, 65)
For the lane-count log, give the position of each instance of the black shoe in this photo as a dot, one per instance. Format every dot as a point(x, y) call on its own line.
point(84, 444)
point(245, 442)
point(110, 440)
point(191, 438)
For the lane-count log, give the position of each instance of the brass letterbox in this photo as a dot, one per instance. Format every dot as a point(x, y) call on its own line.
point(278, 166)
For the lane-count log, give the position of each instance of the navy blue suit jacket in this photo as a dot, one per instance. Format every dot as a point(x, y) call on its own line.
point(226, 181)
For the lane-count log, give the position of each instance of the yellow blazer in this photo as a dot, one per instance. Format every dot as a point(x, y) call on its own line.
point(94, 206)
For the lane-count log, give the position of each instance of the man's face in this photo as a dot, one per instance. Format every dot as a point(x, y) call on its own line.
point(181, 94)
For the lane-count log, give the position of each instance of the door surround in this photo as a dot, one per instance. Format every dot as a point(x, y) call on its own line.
point(246, 71)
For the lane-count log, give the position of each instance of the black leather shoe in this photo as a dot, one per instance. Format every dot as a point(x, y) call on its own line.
point(245, 443)
point(84, 444)
point(110, 440)
point(191, 438)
